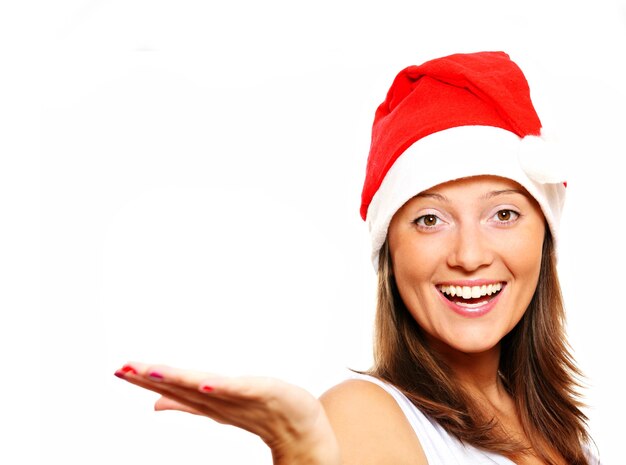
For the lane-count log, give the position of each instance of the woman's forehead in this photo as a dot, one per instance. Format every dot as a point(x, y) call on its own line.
point(486, 183)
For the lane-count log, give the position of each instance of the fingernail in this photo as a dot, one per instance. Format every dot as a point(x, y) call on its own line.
point(126, 369)
point(205, 388)
point(155, 375)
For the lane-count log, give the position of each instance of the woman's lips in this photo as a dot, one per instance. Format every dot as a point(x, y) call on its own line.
point(471, 299)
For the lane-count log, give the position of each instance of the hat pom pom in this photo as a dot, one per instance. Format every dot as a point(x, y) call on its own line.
point(539, 158)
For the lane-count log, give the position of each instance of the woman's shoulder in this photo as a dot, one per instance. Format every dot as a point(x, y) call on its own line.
point(356, 396)
point(370, 425)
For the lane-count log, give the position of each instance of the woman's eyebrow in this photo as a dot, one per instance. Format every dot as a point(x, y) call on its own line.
point(492, 194)
point(433, 195)
point(487, 196)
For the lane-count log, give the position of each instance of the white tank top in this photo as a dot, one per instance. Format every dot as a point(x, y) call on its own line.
point(439, 446)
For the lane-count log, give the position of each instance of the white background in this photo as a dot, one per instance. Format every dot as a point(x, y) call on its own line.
point(180, 183)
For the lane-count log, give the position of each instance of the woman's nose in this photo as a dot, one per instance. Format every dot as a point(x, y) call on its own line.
point(470, 249)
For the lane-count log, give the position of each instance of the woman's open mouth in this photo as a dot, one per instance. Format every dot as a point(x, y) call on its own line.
point(471, 298)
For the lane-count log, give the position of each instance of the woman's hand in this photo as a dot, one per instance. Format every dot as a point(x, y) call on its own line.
point(287, 418)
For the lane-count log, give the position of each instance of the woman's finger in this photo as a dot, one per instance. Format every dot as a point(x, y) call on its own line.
point(240, 411)
point(165, 373)
point(189, 396)
point(161, 378)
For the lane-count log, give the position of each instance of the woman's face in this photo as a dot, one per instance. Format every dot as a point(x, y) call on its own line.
point(466, 257)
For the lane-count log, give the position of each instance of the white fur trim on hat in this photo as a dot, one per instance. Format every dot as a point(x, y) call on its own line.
point(463, 152)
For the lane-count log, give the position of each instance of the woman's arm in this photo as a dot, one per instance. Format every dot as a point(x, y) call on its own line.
point(287, 418)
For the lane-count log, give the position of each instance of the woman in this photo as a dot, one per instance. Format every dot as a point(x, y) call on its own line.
point(463, 202)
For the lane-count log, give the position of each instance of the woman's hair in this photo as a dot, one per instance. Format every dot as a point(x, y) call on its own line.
point(536, 367)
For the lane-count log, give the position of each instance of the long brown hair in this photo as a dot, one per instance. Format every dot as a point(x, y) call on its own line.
point(536, 367)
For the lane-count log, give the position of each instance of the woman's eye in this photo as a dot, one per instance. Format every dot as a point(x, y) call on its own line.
point(427, 221)
point(506, 216)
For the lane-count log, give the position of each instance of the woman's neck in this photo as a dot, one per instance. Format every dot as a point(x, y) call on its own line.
point(477, 372)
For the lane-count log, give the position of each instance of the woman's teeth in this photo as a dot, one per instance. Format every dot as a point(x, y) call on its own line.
point(470, 292)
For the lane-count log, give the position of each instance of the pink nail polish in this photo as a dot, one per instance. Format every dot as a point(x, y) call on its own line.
point(155, 375)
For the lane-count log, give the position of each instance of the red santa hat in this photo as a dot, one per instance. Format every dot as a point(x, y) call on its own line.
point(455, 117)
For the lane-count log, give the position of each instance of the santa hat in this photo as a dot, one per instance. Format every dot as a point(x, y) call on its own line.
point(455, 117)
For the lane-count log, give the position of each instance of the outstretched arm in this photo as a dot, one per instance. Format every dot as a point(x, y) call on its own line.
point(287, 418)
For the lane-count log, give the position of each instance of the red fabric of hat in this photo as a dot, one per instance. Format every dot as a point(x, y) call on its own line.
point(476, 89)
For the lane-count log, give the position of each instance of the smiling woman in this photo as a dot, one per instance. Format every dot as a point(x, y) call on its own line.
point(463, 202)
point(471, 366)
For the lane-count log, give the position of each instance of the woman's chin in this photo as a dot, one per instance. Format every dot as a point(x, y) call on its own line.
point(467, 344)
